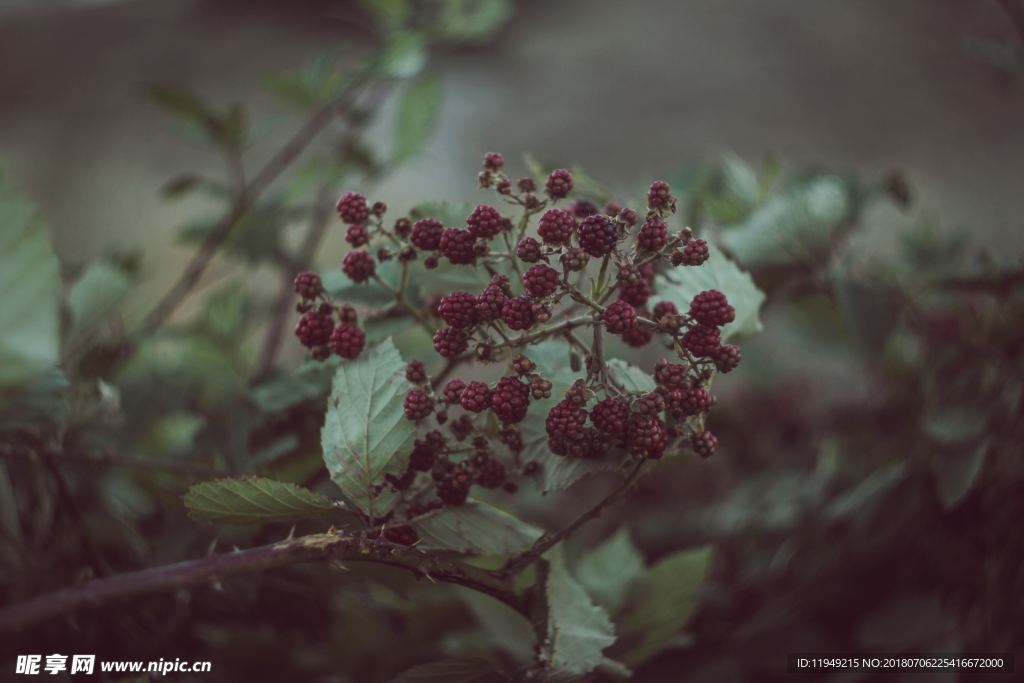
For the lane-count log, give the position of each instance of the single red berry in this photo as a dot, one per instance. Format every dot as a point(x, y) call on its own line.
point(510, 399)
point(637, 293)
point(688, 401)
point(486, 178)
point(694, 253)
point(598, 235)
point(358, 265)
point(704, 444)
point(458, 309)
point(565, 421)
point(493, 161)
point(619, 316)
point(578, 394)
point(638, 336)
point(671, 375)
point(422, 457)
point(308, 285)
point(710, 307)
point(485, 221)
point(663, 309)
point(522, 365)
point(453, 390)
point(727, 358)
point(610, 415)
point(452, 482)
point(503, 186)
point(540, 388)
point(347, 314)
point(415, 372)
point(646, 436)
point(528, 250)
point(659, 196)
point(426, 234)
point(450, 342)
point(357, 235)
point(476, 397)
point(518, 313)
point(403, 226)
point(556, 226)
point(417, 405)
point(379, 209)
point(559, 183)
point(526, 184)
point(458, 245)
point(583, 208)
point(511, 437)
point(490, 473)
point(627, 217)
point(490, 303)
point(348, 340)
point(702, 341)
point(650, 403)
point(540, 280)
point(653, 235)
point(314, 329)
point(574, 259)
point(401, 535)
point(352, 208)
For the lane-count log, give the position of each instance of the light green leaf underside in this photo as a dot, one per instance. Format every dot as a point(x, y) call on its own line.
point(476, 528)
point(253, 501)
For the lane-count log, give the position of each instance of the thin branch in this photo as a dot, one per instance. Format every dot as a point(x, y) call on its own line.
point(312, 548)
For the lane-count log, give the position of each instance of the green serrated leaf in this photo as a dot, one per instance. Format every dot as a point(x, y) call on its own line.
point(660, 606)
point(681, 284)
point(419, 108)
point(452, 671)
point(365, 434)
point(632, 378)
point(30, 281)
point(476, 528)
point(608, 570)
point(253, 501)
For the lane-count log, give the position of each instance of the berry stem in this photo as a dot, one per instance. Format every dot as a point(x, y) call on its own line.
point(400, 298)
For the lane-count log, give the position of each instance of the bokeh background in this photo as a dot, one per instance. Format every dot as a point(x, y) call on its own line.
point(868, 490)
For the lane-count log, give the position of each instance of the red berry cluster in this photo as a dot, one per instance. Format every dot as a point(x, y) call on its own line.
point(323, 327)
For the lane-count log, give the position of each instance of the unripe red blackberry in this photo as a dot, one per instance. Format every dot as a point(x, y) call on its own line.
point(458, 309)
point(453, 390)
point(510, 399)
point(422, 457)
point(612, 208)
point(663, 309)
point(704, 444)
point(458, 245)
point(407, 254)
point(490, 473)
point(565, 421)
point(476, 397)
point(659, 196)
point(452, 483)
point(485, 178)
point(583, 446)
point(426, 234)
point(314, 329)
point(702, 341)
point(490, 303)
point(403, 227)
point(541, 312)
point(671, 375)
point(450, 342)
point(528, 250)
point(646, 436)
point(638, 336)
point(348, 340)
point(518, 313)
point(308, 285)
point(727, 358)
point(559, 183)
point(485, 221)
point(710, 307)
point(431, 262)
point(352, 208)
point(653, 235)
point(540, 280)
point(511, 437)
point(347, 314)
point(610, 415)
point(636, 294)
point(578, 394)
point(357, 235)
point(619, 316)
point(540, 388)
point(385, 254)
point(582, 208)
point(417, 405)
point(415, 372)
point(627, 217)
point(358, 265)
point(401, 535)
point(526, 184)
point(574, 259)
point(598, 235)
point(522, 365)
point(694, 253)
point(688, 401)
point(650, 403)
point(379, 209)
point(493, 161)
point(503, 186)
point(556, 226)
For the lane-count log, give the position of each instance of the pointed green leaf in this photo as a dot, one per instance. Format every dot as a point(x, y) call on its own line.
point(253, 501)
point(680, 285)
point(608, 570)
point(476, 528)
point(365, 434)
point(419, 107)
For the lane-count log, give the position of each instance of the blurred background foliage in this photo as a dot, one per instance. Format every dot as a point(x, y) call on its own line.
point(868, 489)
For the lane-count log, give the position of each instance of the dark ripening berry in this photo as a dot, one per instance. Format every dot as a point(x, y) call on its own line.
point(659, 196)
point(458, 245)
point(540, 388)
point(485, 221)
point(704, 444)
point(503, 186)
point(358, 265)
point(619, 317)
point(453, 390)
point(352, 208)
point(598, 235)
point(314, 329)
point(688, 401)
point(646, 436)
point(422, 457)
point(671, 375)
point(566, 421)
point(458, 309)
point(357, 235)
point(490, 303)
point(308, 285)
point(702, 341)
point(585, 446)
point(559, 183)
point(712, 308)
point(583, 208)
point(522, 365)
point(627, 217)
point(417, 405)
point(540, 280)
point(518, 313)
point(426, 234)
point(526, 184)
point(727, 358)
point(637, 293)
point(664, 308)
point(510, 399)
point(450, 342)
point(401, 535)
point(693, 254)
point(347, 314)
point(403, 226)
point(653, 235)
point(574, 259)
point(528, 250)
point(650, 403)
point(476, 397)
point(493, 161)
point(348, 340)
point(415, 372)
point(556, 226)
point(638, 336)
point(490, 473)
point(610, 415)
point(452, 483)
